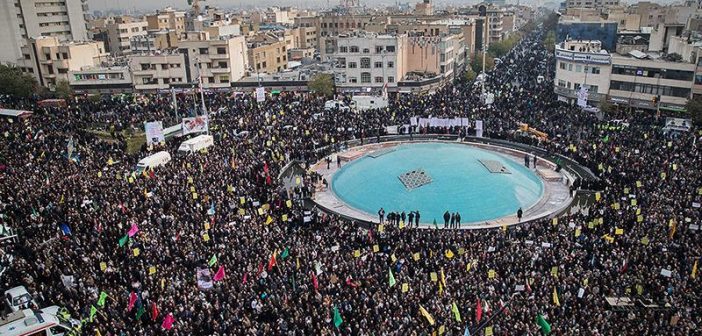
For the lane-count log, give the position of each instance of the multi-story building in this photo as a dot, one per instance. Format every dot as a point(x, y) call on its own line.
point(158, 70)
point(267, 53)
point(304, 37)
point(596, 4)
point(108, 79)
point(49, 60)
point(24, 19)
point(217, 61)
point(167, 19)
point(424, 8)
point(639, 80)
point(573, 28)
point(153, 41)
point(365, 62)
point(495, 22)
point(121, 31)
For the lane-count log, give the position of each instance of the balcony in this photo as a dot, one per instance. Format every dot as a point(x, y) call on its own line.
point(220, 70)
point(219, 56)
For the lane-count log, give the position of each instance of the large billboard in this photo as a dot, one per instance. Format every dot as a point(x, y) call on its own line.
point(194, 125)
point(154, 132)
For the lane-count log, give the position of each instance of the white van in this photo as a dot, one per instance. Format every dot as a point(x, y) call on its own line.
point(363, 103)
point(154, 160)
point(35, 323)
point(197, 143)
point(18, 298)
point(336, 104)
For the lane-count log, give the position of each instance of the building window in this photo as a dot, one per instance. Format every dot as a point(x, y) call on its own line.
point(562, 65)
point(391, 64)
point(365, 63)
point(353, 49)
point(378, 49)
point(353, 80)
point(595, 70)
point(221, 51)
point(378, 65)
point(561, 83)
point(164, 66)
point(204, 51)
point(353, 65)
point(390, 48)
point(365, 77)
point(366, 51)
point(344, 49)
point(391, 79)
point(378, 79)
point(578, 68)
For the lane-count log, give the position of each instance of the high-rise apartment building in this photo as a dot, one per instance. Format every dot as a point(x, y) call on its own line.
point(24, 19)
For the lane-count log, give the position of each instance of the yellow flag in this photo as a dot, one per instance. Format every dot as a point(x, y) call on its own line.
point(619, 231)
point(415, 256)
point(288, 203)
point(103, 266)
point(136, 251)
point(206, 237)
point(441, 289)
point(694, 270)
point(357, 253)
point(405, 287)
point(449, 254)
point(673, 227)
point(152, 270)
point(376, 248)
point(443, 277)
point(491, 274)
point(555, 298)
point(426, 314)
point(269, 220)
point(433, 276)
point(297, 262)
point(488, 331)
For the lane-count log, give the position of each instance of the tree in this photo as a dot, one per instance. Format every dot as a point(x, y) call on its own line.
point(550, 41)
point(694, 108)
point(477, 63)
point(16, 83)
point(63, 89)
point(322, 84)
point(470, 74)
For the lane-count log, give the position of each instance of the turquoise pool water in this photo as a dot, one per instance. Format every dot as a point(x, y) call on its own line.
point(460, 183)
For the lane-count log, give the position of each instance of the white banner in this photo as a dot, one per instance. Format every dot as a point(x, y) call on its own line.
point(479, 128)
point(194, 125)
point(204, 278)
point(582, 96)
point(440, 122)
point(260, 94)
point(154, 132)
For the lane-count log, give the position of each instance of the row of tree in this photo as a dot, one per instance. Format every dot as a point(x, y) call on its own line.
point(16, 83)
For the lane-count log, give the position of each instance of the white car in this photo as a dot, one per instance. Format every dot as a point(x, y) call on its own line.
point(18, 298)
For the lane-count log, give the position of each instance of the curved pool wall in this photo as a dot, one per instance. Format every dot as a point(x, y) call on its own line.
point(460, 183)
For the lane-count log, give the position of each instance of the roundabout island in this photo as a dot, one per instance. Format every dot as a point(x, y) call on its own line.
point(485, 184)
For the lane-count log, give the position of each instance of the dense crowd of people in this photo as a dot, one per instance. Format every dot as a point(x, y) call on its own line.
point(90, 226)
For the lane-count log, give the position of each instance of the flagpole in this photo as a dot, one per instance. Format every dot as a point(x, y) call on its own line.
point(499, 312)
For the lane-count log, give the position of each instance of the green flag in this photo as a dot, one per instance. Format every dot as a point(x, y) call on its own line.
point(123, 240)
point(212, 261)
point(101, 300)
point(337, 318)
point(605, 139)
point(456, 313)
point(545, 327)
point(93, 311)
point(391, 278)
point(140, 312)
point(285, 253)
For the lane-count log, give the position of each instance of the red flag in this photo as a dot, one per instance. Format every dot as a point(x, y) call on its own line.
point(220, 274)
point(265, 167)
point(268, 179)
point(625, 266)
point(315, 283)
point(478, 311)
point(168, 322)
point(528, 287)
point(350, 282)
point(246, 276)
point(260, 269)
point(502, 307)
point(151, 174)
point(132, 300)
point(154, 311)
point(271, 262)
